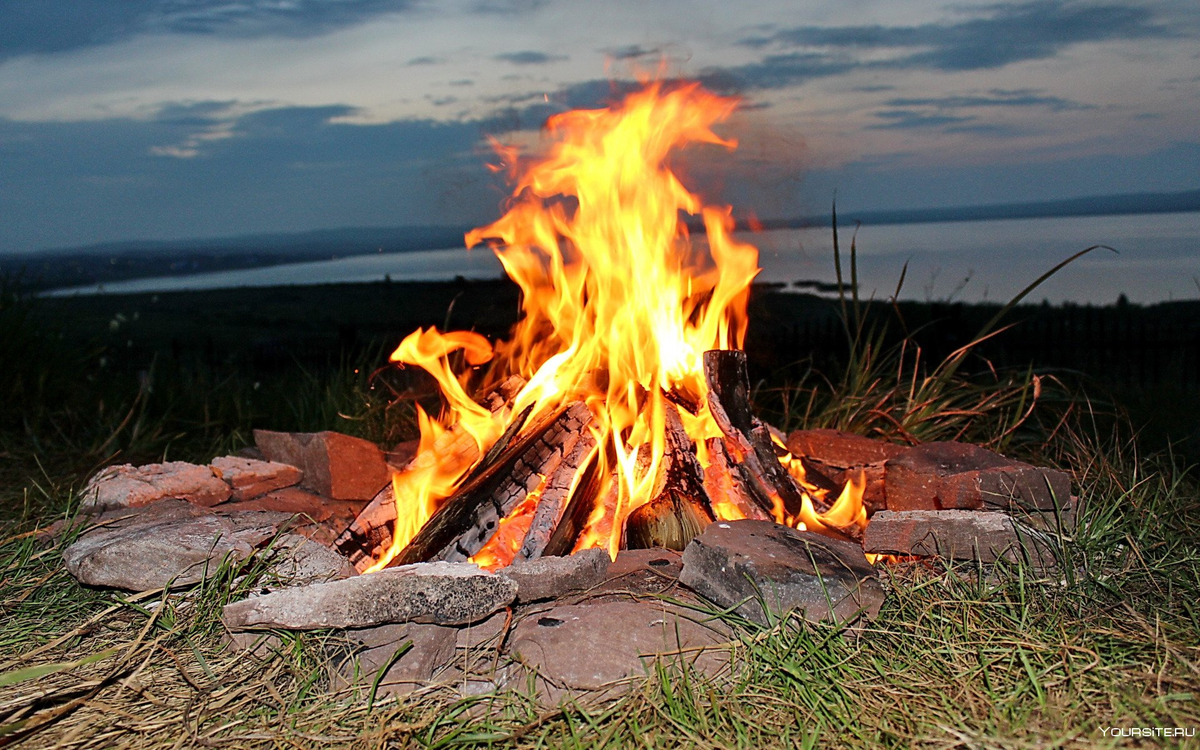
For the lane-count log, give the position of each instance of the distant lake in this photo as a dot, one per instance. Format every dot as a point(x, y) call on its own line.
point(1158, 259)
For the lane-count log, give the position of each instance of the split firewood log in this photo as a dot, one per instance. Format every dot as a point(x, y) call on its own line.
point(369, 536)
point(465, 522)
point(749, 440)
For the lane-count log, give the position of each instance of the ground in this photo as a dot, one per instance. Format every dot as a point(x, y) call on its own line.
point(1013, 659)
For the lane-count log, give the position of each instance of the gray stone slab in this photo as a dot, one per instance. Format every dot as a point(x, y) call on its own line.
point(149, 550)
point(765, 570)
point(440, 592)
point(552, 577)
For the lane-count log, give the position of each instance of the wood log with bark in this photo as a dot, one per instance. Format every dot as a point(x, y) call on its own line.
point(748, 439)
point(467, 519)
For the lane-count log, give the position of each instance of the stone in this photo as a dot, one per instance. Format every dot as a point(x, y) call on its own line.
point(373, 650)
point(831, 458)
point(948, 475)
point(1060, 521)
point(297, 560)
point(551, 577)
point(484, 634)
point(152, 550)
point(334, 465)
point(402, 454)
point(605, 646)
point(128, 486)
point(837, 448)
point(766, 570)
point(982, 536)
point(439, 592)
point(319, 518)
point(249, 478)
point(260, 644)
point(642, 572)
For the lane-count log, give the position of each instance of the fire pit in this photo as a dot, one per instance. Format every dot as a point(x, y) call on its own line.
point(613, 457)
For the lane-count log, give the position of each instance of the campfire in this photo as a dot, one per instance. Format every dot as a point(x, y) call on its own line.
point(543, 520)
point(617, 414)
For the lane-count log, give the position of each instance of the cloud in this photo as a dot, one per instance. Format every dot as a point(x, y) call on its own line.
point(903, 119)
point(425, 60)
point(529, 57)
point(272, 169)
point(49, 26)
point(994, 98)
point(631, 52)
point(992, 37)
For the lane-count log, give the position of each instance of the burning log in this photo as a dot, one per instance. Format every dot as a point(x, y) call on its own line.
point(681, 508)
point(468, 518)
point(569, 478)
point(669, 521)
point(371, 533)
point(749, 439)
point(726, 482)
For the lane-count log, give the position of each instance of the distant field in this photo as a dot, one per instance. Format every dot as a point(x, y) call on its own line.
point(1145, 357)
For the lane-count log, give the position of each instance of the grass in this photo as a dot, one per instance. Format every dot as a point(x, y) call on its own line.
point(956, 658)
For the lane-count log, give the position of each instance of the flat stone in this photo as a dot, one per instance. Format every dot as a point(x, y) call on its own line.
point(604, 646)
point(297, 560)
point(483, 634)
point(249, 478)
point(150, 551)
point(551, 577)
point(839, 448)
point(752, 564)
point(320, 518)
point(259, 644)
point(128, 486)
point(439, 592)
point(642, 572)
point(983, 536)
point(334, 465)
point(373, 650)
point(948, 475)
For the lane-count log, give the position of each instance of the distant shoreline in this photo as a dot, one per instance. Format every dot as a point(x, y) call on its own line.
point(1113, 205)
point(118, 262)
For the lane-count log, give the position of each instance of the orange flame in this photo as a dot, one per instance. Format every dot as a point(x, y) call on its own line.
point(619, 306)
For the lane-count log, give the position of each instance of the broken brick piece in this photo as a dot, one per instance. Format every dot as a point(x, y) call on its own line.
point(250, 478)
point(335, 465)
point(831, 458)
point(949, 475)
point(981, 536)
point(128, 486)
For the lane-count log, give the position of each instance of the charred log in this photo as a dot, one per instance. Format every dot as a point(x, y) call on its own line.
point(582, 502)
point(749, 439)
point(569, 479)
point(370, 535)
point(469, 517)
point(726, 481)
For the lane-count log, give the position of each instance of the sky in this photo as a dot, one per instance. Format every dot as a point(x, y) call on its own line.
point(170, 119)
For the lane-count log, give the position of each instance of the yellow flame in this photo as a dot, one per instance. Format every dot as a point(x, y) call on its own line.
point(618, 305)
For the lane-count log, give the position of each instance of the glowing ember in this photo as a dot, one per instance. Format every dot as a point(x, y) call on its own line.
point(619, 308)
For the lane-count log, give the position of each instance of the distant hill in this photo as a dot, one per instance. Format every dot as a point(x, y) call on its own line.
point(1100, 205)
point(117, 261)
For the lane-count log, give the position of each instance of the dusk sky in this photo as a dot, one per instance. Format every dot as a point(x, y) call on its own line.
point(161, 119)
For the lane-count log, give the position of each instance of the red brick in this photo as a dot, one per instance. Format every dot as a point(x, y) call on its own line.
point(334, 465)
